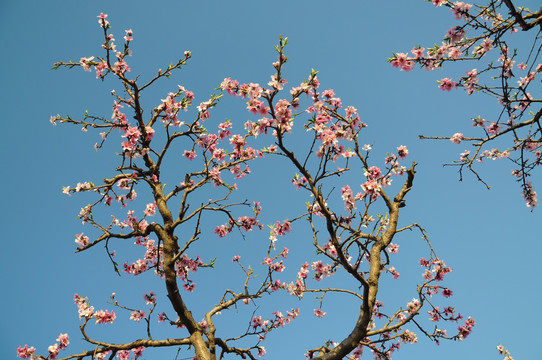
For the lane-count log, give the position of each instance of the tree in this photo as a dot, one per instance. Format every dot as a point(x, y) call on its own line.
point(314, 170)
point(347, 238)
point(484, 31)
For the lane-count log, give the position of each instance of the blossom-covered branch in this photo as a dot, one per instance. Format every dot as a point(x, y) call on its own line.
point(490, 35)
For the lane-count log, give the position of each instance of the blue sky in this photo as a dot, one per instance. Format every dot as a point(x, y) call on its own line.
point(489, 237)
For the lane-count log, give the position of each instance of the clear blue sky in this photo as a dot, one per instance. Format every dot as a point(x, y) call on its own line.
point(489, 238)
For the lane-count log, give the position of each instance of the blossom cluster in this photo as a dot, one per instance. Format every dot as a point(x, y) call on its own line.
point(504, 352)
point(87, 311)
point(125, 354)
point(153, 258)
point(262, 327)
point(24, 352)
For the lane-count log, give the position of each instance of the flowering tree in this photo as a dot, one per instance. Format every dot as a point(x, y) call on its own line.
point(490, 35)
point(352, 239)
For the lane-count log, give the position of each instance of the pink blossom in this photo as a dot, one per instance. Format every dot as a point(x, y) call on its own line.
point(424, 262)
point(319, 313)
point(222, 230)
point(120, 67)
point(257, 107)
point(413, 306)
point(257, 321)
point(529, 194)
point(128, 36)
point(434, 314)
point(427, 275)
point(402, 151)
point(487, 44)
point(464, 155)
point(524, 81)
point(455, 34)
point(53, 351)
point(25, 352)
point(283, 115)
point(350, 111)
point(394, 272)
point(82, 186)
point(138, 351)
point(229, 85)
point(123, 354)
point(132, 134)
point(348, 198)
point(321, 270)
point(409, 337)
point(189, 154)
point(471, 81)
point(372, 173)
point(64, 341)
point(189, 95)
point(478, 122)
point(215, 176)
point(105, 317)
point(466, 329)
point(283, 228)
point(81, 240)
point(137, 315)
point(328, 137)
point(484, 47)
point(330, 249)
point(100, 68)
point(304, 271)
point(418, 52)
point(460, 10)
point(328, 93)
point(150, 133)
point(275, 83)
point(102, 356)
point(401, 60)
point(252, 91)
point(446, 84)
point(371, 188)
point(457, 138)
point(247, 223)
point(525, 101)
point(150, 209)
point(150, 298)
point(86, 62)
point(493, 128)
point(162, 317)
point(189, 286)
point(299, 181)
point(142, 225)
point(393, 248)
point(84, 308)
point(516, 173)
point(454, 52)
